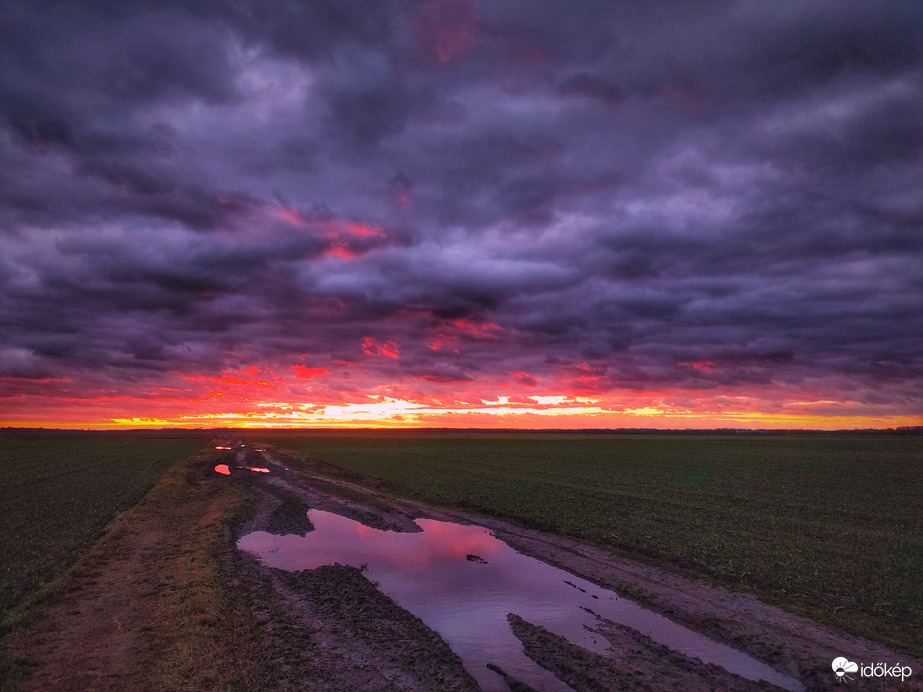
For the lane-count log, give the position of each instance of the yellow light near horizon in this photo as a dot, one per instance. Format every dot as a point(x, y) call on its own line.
point(142, 422)
point(624, 410)
point(645, 411)
point(549, 399)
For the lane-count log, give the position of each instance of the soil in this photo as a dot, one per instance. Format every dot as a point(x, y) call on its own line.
point(165, 600)
point(638, 662)
point(791, 644)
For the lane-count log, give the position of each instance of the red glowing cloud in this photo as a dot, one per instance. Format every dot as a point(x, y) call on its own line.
point(290, 216)
point(305, 373)
point(372, 347)
point(478, 330)
point(524, 379)
point(344, 239)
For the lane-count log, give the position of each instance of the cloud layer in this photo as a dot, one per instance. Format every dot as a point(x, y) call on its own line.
point(698, 209)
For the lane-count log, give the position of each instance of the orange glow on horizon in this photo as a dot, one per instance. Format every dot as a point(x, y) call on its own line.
point(342, 395)
point(540, 412)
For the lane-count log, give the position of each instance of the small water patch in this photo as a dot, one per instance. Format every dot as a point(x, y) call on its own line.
point(432, 575)
point(226, 470)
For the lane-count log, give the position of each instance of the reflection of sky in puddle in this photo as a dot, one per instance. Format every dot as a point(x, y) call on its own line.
point(467, 602)
point(226, 470)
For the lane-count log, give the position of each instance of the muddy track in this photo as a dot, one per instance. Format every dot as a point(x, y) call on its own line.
point(792, 645)
point(330, 628)
point(637, 662)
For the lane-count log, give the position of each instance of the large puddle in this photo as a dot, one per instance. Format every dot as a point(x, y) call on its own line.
point(437, 576)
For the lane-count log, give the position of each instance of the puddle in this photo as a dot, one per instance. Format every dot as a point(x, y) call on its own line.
point(226, 470)
point(462, 581)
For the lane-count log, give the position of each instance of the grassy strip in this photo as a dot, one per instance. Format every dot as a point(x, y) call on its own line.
point(203, 635)
point(155, 584)
point(828, 526)
point(59, 490)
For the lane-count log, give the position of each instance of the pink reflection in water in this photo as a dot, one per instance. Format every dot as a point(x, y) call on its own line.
point(258, 469)
point(223, 468)
point(428, 573)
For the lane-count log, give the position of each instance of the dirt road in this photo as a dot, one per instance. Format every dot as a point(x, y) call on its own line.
point(166, 601)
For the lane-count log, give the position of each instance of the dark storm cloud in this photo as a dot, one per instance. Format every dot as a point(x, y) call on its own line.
point(709, 194)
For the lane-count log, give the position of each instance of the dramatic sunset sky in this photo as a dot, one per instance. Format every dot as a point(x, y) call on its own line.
point(455, 213)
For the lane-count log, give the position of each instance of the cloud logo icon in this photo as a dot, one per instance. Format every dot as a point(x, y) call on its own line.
point(841, 666)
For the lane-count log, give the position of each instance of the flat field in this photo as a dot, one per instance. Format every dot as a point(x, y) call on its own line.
point(59, 490)
point(830, 526)
point(159, 596)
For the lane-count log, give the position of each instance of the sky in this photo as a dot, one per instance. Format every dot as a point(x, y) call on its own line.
point(455, 213)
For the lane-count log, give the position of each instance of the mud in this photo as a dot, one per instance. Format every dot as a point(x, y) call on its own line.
point(511, 682)
point(330, 628)
point(637, 662)
point(794, 646)
point(290, 517)
point(359, 616)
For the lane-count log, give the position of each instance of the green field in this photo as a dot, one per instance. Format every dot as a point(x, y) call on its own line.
point(59, 490)
point(826, 525)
